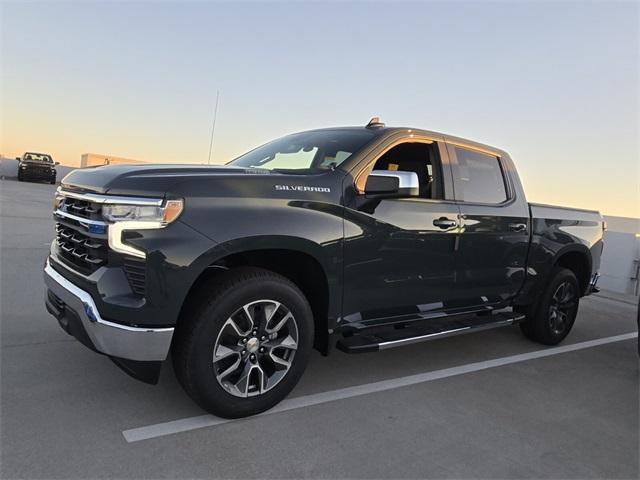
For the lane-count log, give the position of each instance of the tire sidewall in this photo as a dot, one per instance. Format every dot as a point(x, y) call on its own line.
point(210, 394)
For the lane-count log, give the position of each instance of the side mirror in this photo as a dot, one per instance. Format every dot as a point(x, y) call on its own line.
point(57, 163)
point(393, 184)
point(18, 158)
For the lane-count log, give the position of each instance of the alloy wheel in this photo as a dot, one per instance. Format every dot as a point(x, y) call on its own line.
point(255, 348)
point(561, 307)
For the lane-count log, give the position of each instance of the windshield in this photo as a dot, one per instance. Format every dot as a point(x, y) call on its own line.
point(37, 157)
point(313, 150)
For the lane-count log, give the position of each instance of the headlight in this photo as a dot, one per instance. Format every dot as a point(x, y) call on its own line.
point(23, 167)
point(143, 213)
point(137, 217)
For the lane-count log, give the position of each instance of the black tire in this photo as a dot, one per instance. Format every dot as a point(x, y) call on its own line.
point(19, 177)
point(200, 327)
point(52, 181)
point(550, 321)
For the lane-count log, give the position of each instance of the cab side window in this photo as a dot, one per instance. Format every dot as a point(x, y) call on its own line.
point(478, 177)
point(417, 157)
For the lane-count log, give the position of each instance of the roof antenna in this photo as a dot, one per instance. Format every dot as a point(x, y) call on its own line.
point(375, 123)
point(213, 126)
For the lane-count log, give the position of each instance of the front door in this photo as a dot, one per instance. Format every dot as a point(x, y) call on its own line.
point(399, 254)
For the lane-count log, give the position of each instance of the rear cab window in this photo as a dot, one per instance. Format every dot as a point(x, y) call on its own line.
point(478, 177)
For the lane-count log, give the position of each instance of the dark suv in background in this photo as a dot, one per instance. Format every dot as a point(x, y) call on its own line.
point(37, 166)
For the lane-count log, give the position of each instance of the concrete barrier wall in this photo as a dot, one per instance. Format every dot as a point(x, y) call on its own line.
point(619, 262)
point(9, 169)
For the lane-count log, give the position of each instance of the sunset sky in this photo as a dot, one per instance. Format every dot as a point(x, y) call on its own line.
point(555, 84)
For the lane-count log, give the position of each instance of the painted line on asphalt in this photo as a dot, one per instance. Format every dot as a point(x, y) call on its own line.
point(202, 421)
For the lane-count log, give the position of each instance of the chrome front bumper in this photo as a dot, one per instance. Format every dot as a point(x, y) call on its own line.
point(113, 339)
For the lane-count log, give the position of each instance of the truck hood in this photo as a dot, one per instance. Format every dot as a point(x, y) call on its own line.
point(148, 179)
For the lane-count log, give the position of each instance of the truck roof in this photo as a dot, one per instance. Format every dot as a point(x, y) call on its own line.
point(388, 131)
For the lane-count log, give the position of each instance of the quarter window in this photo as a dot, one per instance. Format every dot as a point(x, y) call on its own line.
point(478, 177)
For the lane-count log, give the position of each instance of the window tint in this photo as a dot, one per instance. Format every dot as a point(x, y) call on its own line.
point(479, 177)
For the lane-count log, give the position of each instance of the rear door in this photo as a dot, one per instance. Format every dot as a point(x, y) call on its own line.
point(494, 233)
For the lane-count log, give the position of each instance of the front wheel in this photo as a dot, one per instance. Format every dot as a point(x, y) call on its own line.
point(246, 344)
point(552, 318)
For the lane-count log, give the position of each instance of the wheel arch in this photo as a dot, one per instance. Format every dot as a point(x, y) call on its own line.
point(299, 260)
point(576, 258)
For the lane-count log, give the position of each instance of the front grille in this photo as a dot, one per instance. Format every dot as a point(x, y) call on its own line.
point(81, 250)
point(39, 168)
point(135, 269)
point(81, 208)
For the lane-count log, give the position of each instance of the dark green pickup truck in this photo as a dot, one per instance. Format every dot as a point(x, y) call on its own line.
point(361, 238)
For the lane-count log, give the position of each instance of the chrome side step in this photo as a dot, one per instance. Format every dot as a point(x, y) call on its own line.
point(392, 338)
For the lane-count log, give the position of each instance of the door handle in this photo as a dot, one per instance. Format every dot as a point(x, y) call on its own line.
point(444, 222)
point(518, 227)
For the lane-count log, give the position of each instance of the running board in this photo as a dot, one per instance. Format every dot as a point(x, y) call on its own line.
point(430, 330)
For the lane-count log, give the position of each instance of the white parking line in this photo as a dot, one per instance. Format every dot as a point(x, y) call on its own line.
point(193, 423)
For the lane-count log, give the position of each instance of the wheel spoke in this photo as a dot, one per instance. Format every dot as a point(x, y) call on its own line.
point(270, 311)
point(223, 352)
point(275, 378)
point(234, 326)
point(251, 376)
point(229, 370)
point(281, 323)
point(285, 342)
point(249, 318)
point(280, 361)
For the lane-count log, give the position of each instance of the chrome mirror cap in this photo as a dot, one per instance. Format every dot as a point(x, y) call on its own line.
point(408, 183)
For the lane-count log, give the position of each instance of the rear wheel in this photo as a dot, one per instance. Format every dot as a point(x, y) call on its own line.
point(551, 319)
point(246, 344)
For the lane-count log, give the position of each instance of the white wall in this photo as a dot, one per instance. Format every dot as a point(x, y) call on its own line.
point(621, 254)
point(618, 267)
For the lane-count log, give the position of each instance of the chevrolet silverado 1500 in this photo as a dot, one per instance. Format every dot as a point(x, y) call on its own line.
point(360, 238)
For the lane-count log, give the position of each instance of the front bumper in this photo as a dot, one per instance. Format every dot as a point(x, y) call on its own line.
point(78, 315)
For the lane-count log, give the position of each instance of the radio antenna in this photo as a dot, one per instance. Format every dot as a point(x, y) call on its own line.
point(213, 126)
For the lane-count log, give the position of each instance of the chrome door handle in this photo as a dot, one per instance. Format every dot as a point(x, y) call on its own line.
point(518, 227)
point(444, 222)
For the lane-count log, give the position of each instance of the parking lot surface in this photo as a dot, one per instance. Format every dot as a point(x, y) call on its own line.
point(560, 414)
